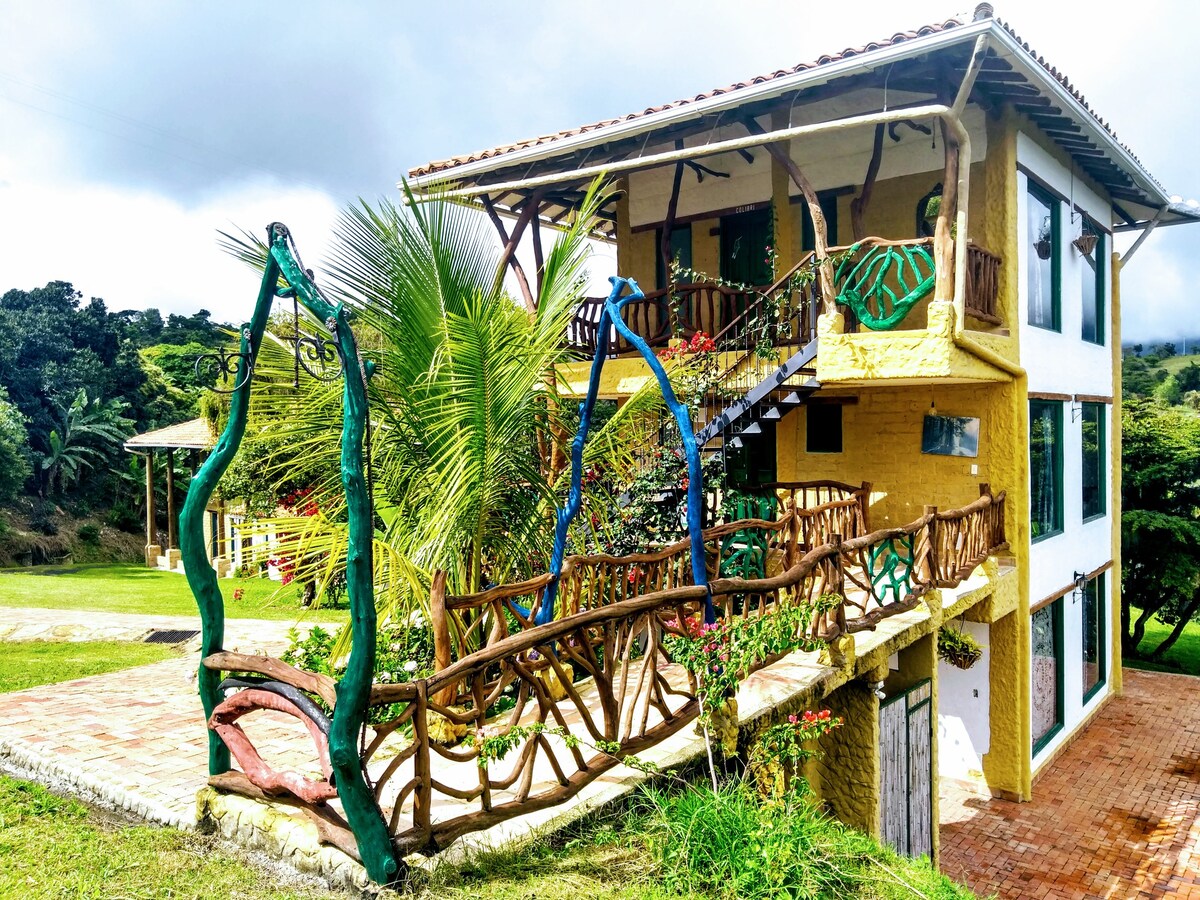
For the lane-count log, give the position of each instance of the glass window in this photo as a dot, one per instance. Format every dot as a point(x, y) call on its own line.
point(1045, 238)
point(1047, 673)
point(824, 428)
point(681, 252)
point(1092, 284)
point(1094, 452)
point(1093, 637)
point(1045, 468)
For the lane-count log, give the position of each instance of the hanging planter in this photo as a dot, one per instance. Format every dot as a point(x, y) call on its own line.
point(958, 648)
point(1085, 243)
point(1043, 245)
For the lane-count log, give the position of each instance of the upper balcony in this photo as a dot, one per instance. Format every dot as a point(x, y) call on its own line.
point(881, 325)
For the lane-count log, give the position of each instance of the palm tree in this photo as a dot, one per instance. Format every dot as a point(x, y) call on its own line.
point(86, 435)
point(461, 401)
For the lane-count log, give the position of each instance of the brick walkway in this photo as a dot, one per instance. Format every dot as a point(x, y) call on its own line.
point(1117, 816)
point(133, 739)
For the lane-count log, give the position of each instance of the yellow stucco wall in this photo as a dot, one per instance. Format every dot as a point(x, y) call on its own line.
point(881, 441)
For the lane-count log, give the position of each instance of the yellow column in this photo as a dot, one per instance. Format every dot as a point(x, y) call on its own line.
point(849, 764)
point(787, 242)
point(1006, 765)
point(1114, 574)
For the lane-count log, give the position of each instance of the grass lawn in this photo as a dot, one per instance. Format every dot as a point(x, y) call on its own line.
point(25, 664)
point(1173, 364)
point(136, 589)
point(694, 847)
point(1183, 657)
point(53, 847)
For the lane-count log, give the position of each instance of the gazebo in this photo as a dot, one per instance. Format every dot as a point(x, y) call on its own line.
point(192, 436)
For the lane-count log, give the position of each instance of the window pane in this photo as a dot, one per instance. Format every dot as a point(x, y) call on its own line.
point(1093, 635)
point(1047, 711)
point(1043, 225)
point(1092, 287)
point(681, 252)
point(1094, 446)
point(824, 428)
point(1045, 468)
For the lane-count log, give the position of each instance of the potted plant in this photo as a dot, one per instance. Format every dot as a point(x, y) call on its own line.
point(958, 648)
point(1043, 245)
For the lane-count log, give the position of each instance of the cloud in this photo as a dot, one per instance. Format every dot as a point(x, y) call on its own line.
point(138, 248)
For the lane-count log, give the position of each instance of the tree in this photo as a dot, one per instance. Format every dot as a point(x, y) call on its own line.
point(1189, 377)
point(461, 400)
point(1168, 391)
point(88, 433)
point(1167, 349)
point(14, 455)
point(1160, 531)
point(1137, 379)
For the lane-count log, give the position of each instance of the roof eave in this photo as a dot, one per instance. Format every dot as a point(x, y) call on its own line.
point(1020, 58)
point(806, 78)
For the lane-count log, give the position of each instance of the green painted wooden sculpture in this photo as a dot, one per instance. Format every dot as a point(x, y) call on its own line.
point(884, 283)
point(341, 733)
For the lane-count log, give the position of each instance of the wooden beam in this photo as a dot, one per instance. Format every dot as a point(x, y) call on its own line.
point(858, 206)
point(508, 259)
point(943, 241)
point(664, 247)
point(781, 155)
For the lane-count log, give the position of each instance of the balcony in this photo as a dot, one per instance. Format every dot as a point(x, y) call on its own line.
point(883, 325)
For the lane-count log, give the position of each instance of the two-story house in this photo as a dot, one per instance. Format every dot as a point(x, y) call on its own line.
point(920, 233)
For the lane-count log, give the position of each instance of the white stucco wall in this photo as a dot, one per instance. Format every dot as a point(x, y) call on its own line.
point(1063, 363)
point(964, 702)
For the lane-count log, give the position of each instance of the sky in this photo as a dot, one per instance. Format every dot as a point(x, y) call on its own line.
point(132, 132)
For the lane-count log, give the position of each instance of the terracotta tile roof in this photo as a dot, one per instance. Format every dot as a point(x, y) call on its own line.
point(446, 165)
point(898, 38)
point(194, 434)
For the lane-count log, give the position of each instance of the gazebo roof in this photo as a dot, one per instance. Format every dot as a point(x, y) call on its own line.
point(194, 434)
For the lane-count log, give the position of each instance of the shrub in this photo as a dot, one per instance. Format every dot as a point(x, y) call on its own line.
point(727, 844)
point(89, 534)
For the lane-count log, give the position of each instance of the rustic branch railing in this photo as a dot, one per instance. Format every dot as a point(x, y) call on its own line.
point(983, 284)
point(703, 306)
point(570, 699)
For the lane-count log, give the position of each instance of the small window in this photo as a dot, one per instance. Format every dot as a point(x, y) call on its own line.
point(1092, 282)
point(1094, 658)
point(1045, 468)
point(824, 428)
point(1094, 453)
point(681, 252)
point(1044, 218)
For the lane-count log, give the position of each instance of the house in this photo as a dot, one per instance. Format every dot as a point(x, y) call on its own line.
point(921, 230)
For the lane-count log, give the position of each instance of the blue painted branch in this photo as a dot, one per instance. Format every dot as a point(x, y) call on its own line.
point(611, 317)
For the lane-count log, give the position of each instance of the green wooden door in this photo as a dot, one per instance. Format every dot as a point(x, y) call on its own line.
point(744, 240)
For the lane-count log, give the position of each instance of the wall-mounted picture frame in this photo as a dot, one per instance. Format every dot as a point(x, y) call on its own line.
point(950, 436)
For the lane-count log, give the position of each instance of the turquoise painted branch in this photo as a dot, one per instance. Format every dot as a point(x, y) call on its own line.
point(353, 690)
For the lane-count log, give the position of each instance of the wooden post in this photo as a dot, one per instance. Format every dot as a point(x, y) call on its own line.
point(820, 228)
point(151, 529)
point(508, 259)
point(943, 240)
point(858, 206)
point(931, 554)
point(172, 527)
point(664, 247)
point(438, 622)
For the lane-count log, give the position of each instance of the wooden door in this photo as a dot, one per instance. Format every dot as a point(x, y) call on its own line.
point(906, 770)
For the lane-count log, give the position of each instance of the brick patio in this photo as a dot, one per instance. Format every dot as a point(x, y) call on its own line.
point(1117, 815)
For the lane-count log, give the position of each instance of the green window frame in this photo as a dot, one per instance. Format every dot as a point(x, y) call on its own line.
point(1093, 285)
point(1046, 627)
point(1044, 250)
point(681, 252)
point(1094, 446)
point(1095, 637)
point(1045, 469)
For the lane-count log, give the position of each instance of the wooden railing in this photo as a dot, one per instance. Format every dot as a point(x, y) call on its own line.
point(703, 306)
point(570, 699)
point(983, 285)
